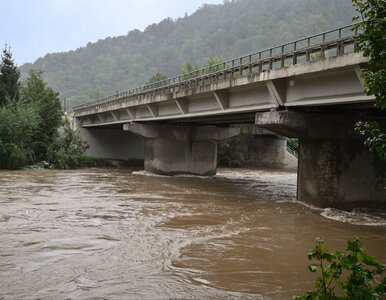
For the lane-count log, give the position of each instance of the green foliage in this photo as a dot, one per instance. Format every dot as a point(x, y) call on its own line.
point(189, 71)
point(232, 29)
point(352, 273)
point(46, 101)
point(18, 122)
point(67, 150)
point(88, 161)
point(9, 77)
point(40, 165)
point(293, 146)
point(156, 78)
point(233, 152)
point(215, 63)
point(29, 125)
point(375, 138)
point(372, 42)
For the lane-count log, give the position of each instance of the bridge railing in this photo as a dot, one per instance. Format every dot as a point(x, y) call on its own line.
point(330, 43)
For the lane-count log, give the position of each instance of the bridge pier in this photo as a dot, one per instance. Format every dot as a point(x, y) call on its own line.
point(341, 174)
point(335, 169)
point(270, 151)
point(265, 149)
point(173, 150)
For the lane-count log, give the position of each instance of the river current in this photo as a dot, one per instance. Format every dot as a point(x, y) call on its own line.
point(125, 234)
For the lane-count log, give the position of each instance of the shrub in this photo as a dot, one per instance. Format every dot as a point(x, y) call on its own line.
point(68, 149)
point(362, 273)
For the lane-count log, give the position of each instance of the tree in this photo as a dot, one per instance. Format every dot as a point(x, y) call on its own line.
point(18, 122)
point(372, 42)
point(215, 63)
point(189, 71)
point(46, 101)
point(68, 149)
point(30, 119)
point(155, 80)
point(9, 77)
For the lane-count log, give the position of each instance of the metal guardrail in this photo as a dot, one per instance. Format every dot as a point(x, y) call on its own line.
point(334, 42)
point(292, 150)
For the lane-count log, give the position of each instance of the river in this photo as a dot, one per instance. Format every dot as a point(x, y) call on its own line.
point(126, 234)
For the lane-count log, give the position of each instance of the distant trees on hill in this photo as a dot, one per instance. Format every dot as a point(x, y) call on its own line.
point(230, 30)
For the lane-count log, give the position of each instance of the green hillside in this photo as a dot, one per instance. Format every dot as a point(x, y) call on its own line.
point(232, 29)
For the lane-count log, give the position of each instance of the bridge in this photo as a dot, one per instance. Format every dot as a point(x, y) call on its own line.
point(310, 89)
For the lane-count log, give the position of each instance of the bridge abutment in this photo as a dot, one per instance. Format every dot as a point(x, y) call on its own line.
point(114, 144)
point(335, 169)
point(173, 150)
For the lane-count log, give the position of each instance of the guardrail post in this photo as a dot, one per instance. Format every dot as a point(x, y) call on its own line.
point(260, 63)
point(295, 58)
point(250, 64)
point(339, 49)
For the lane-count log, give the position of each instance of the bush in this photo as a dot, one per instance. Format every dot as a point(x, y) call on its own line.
point(68, 149)
point(18, 122)
point(362, 273)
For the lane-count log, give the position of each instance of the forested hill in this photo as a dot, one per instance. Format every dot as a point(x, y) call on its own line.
point(232, 29)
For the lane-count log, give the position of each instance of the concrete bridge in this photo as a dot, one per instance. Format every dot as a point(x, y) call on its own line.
point(310, 89)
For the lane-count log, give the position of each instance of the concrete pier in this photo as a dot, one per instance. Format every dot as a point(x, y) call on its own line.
point(335, 168)
point(173, 150)
point(269, 151)
point(341, 174)
point(263, 148)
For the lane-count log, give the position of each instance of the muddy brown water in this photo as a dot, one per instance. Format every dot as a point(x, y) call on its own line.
point(124, 234)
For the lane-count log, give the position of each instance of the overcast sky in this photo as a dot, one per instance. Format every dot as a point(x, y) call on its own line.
point(34, 28)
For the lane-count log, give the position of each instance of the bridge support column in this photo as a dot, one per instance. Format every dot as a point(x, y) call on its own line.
point(265, 149)
point(335, 169)
point(270, 151)
point(341, 174)
point(173, 150)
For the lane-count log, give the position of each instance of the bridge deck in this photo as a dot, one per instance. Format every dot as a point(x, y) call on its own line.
point(278, 76)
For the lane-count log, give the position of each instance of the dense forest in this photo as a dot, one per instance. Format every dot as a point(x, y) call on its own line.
point(229, 30)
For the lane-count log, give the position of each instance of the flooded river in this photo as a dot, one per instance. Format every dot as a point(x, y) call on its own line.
point(123, 234)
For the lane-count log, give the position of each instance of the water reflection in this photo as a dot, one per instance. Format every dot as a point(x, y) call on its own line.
point(120, 234)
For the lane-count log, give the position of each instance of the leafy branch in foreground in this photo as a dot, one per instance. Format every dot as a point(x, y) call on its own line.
point(371, 42)
point(375, 138)
point(352, 274)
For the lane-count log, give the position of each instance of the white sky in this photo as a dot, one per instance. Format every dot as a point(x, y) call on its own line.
point(34, 28)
